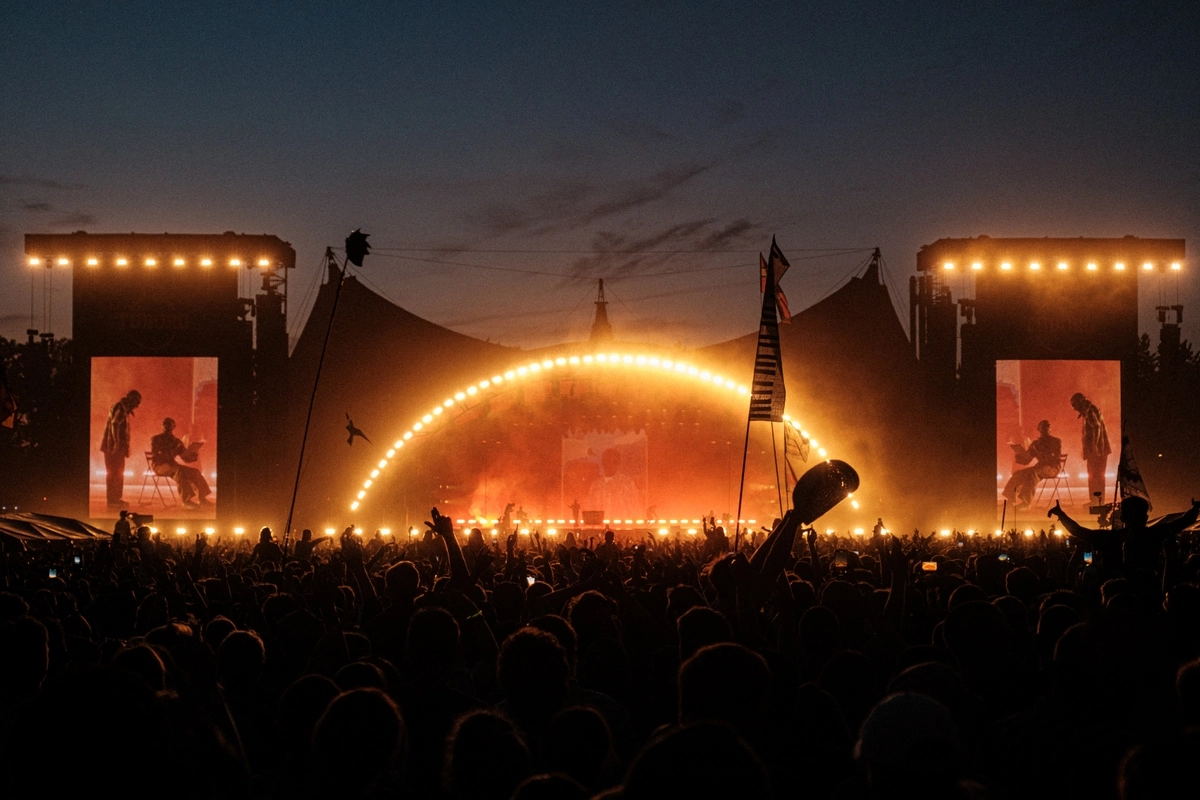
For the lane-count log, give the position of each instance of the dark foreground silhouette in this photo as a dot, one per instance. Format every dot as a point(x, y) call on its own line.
point(538, 667)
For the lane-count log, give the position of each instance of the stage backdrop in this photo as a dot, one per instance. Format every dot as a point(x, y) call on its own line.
point(184, 389)
point(564, 446)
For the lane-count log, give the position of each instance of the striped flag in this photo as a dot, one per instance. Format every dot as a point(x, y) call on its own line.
point(779, 264)
point(795, 452)
point(767, 395)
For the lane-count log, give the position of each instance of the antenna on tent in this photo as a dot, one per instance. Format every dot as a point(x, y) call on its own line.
point(356, 249)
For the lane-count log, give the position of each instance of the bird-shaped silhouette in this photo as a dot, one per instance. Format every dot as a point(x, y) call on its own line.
point(354, 432)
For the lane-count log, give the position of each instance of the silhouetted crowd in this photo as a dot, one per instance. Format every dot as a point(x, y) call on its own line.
point(527, 666)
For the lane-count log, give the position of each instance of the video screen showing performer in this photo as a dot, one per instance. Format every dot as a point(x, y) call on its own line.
point(1052, 440)
point(154, 434)
point(605, 472)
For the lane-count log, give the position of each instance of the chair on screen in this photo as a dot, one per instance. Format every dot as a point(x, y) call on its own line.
point(1057, 484)
point(151, 481)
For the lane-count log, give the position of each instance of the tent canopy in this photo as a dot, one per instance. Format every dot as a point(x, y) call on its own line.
point(44, 528)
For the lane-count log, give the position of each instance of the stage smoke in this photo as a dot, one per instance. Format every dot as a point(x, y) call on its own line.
point(821, 488)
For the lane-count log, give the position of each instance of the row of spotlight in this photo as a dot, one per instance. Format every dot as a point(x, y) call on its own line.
point(946, 533)
point(148, 261)
point(1061, 266)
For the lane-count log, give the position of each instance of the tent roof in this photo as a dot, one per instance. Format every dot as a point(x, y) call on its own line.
point(30, 527)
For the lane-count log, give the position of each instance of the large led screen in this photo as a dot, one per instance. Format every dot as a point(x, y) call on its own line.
point(1058, 435)
point(604, 474)
point(153, 437)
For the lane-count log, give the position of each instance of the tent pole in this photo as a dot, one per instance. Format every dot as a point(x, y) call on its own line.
point(312, 399)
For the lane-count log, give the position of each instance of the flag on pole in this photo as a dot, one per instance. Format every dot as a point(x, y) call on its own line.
point(785, 314)
point(795, 452)
point(778, 261)
point(779, 264)
point(1129, 477)
point(767, 395)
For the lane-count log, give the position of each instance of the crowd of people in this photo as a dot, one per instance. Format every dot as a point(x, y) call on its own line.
point(1063, 663)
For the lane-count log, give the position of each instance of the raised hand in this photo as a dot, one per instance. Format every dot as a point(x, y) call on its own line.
point(1056, 511)
point(442, 525)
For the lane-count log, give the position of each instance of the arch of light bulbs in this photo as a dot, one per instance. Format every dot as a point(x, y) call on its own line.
point(500, 381)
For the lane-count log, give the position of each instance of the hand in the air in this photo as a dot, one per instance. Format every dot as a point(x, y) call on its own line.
point(442, 525)
point(1057, 510)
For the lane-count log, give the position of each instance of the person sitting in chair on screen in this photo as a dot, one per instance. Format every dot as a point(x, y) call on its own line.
point(1045, 455)
point(164, 448)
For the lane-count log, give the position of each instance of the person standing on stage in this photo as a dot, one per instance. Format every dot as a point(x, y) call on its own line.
point(115, 446)
point(1096, 448)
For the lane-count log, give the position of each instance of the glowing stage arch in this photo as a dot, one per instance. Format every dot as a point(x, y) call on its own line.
point(465, 397)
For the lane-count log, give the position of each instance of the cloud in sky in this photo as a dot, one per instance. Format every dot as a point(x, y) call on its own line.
point(36, 182)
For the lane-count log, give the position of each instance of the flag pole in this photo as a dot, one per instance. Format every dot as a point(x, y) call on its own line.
point(778, 486)
point(737, 524)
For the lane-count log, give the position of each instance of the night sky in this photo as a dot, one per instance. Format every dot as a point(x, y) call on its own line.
point(628, 139)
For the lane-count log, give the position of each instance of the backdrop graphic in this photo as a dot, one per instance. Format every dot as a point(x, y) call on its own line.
point(1030, 391)
point(184, 389)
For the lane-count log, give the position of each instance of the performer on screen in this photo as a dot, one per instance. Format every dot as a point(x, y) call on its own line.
point(614, 492)
point(164, 448)
point(1096, 449)
point(115, 446)
point(1045, 455)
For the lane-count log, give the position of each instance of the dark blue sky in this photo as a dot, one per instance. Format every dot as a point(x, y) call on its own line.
point(587, 130)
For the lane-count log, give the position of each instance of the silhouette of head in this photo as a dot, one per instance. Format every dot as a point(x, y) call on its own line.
point(360, 675)
point(699, 627)
point(1187, 688)
point(909, 740)
point(402, 581)
point(699, 760)
point(133, 399)
point(578, 743)
point(561, 630)
point(1044, 427)
point(264, 535)
point(216, 630)
point(485, 758)
point(1135, 511)
point(556, 786)
point(143, 661)
point(168, 425)
point(704, 685)
point(240, 660)
point(1079, 402)
point(432, 642)
point(299, 709)
point(359, 736)
point(532, 672)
